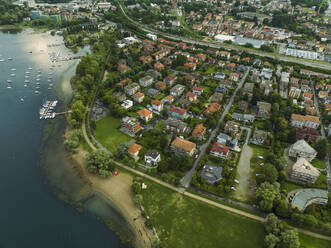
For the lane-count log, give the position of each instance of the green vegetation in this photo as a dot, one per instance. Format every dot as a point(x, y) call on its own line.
point(11, 14)
point(309, 242)
point(98, 162)
point(108, 133)
point(318, 163)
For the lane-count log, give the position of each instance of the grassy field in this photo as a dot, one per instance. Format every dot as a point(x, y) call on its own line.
point(187, 223)
point(108, 133)
point(318, 163)
point(309, 242)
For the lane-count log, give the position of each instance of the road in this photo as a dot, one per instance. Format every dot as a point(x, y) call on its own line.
point(327, 158)
point(145, 28)
point(185, 181)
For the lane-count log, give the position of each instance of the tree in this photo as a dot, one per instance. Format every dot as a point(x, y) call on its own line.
point(267, 194)
point(283, 209)
point(270, 173)
point(290, 239)
point(122, 150)
point(138, 199)
point(100, 160)
point(77, 111)
point(321, 146)
point(271, 224)
point(271, 241)
point(136, 187)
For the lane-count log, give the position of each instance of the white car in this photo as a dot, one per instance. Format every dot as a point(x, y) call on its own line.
point(260, 157)
point(261, 164)
point(233, 188)
point(236, 181)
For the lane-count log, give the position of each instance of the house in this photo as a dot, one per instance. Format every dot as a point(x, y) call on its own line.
point(199, 132)
point(197, 90)
point(160, 54)
point(138, 97)
point(158, 66)
point(145, 59)
point(201, 57)
point(190, 79)
point(182, 146)
point(177, 90)
point(124, 82)
point(306, 72)
point(243, 106)
point(307, 96)
point(127, 104)
point(219, 76)
point(170, 79)
point(308, 134)
point(168, 99)
point(294, 92)
point(123, 68)
point(303, 171)
point(152, 158)
point(160, 86)
point(231, 66)
point(243, 117)
point(153, 92)
point(175, 125)
point(145, 114)
point(157, 105)
point(220, 150)
point(154, 74)
point(146, 81)
point(263, 109)
point(248, 90)
point(190, 66)
point(212, 107)
point(177, 112)
point(221, 88)
point(130, 125)
point(120, 96)
point(131, 89)
point(309, 121)
point(302, 149)
point(216, 97)
point(322, 94)
point(223, 138)
point(211, 173)
point(234, 76)
point(225, 54)
point(231, 127)
point(266, 73)
point(133, 151)
point(191, 96)
point(260, 137)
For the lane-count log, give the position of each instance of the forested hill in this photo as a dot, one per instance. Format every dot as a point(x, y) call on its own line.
point(11, 14)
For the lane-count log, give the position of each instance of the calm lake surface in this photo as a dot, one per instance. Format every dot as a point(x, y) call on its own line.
point(33, 165)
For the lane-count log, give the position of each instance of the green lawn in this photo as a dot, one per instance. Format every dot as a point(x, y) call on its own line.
point(318, 163)
point(289, 186)
point(310, 242)
point(185, 222)
point(108, 133)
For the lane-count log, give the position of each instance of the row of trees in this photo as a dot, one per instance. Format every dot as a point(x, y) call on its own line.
point(11, 14)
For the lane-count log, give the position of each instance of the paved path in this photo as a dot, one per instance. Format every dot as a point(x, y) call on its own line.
point(185, 181)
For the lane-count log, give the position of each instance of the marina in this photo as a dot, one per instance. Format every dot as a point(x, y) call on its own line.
point(46, 112)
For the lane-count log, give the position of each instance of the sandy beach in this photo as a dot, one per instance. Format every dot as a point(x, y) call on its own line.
point(118, 190)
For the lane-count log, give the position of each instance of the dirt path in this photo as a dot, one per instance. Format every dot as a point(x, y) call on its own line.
point(244, 192)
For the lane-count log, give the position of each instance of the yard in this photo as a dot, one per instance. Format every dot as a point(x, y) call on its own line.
point(108, 133)
point(185, 222)
point(318, 163)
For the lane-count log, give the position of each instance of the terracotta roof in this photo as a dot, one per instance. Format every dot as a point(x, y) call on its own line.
point(186, 145)
point(139, 94)
point(199, 130)
point(144, 112)
point(220, 148)
point(304, 118)
point(156, 102)
point(190, 95)
point(309, 95)
point(177, 110)
point(134, 148)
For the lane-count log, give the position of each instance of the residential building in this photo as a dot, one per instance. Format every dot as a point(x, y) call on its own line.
point(234, 77)
point(231, 127)
point(146, 81)
point(260, 137)
point(199, 132)
point(168, 99)
point(153, 92)
point(133, 151)
point(191, 96)
point(212, 107)
point(243, 106)
point(301, 121)
point(223, 138)
point(177, 112)
point(182, 146)
point(177, 90)
point(243, 117)
point(302, 149)
point(127, 104)
point(263, 109)
point(152, 158)
point(308, 134)
point(175, 125)
point(130, 125)
point(220, 150)
point(131, 89)
point(294, 92)
point(216, 97)
point(123, 68)
point(170, 79)
point(190, 79)
point(211, 173)
point(303, 171)
point(145, 114)
point(158, 66)
point(190, 66)
point(157, 105)
point(138, 97)
point(160, 86)
point(197, 90)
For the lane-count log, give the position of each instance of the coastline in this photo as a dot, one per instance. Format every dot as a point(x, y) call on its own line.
point(117, 189)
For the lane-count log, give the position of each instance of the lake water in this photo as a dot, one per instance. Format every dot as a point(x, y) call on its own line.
point(34, 168)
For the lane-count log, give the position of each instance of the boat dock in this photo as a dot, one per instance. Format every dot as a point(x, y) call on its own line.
point(46, 112)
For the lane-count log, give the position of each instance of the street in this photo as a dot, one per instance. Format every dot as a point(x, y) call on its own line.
point(185, 181)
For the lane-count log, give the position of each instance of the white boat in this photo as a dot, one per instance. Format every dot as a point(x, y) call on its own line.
point(36, 92)
point(10, 58)
point(2, 60)
point(27, 72)
point(12, 75)
point(37, 88)
point(49, 88)
point(26, 81)
point(9, 87)
point(50, 85)
point(25, 85)
point(27, 76)
point(30, 68)
point(38, 79)
point(13, 69)
point(9, 81)
point(49, 80)
point(22, 99)
point(37, 83)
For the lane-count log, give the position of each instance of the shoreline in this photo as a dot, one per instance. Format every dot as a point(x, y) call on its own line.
point(116, 189)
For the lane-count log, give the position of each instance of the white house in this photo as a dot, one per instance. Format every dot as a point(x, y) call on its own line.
point(152, 36)
point(302, 149)
point(152, 158)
